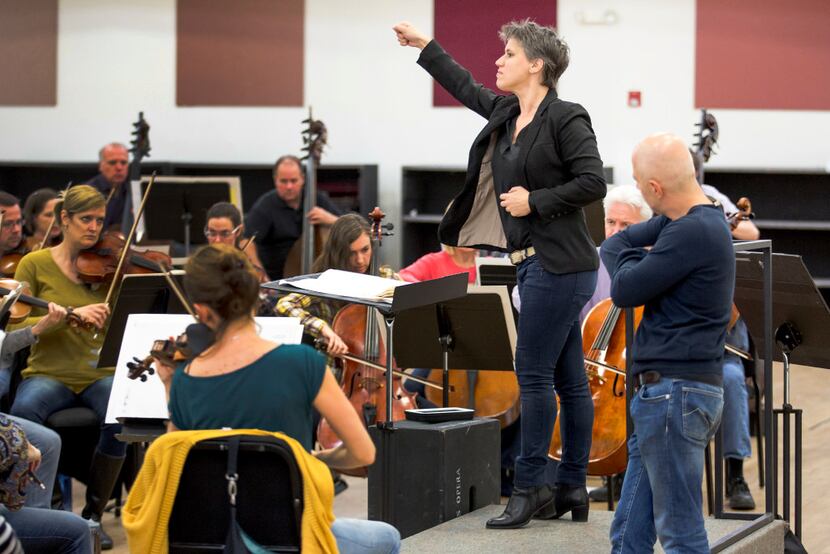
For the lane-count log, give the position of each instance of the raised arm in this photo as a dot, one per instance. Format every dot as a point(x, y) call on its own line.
point(453, 77)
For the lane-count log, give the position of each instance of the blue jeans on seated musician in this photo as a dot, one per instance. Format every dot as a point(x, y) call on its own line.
point(735, 424)
point(43, 531)
point(39, 397)
point(360, 536)
point(549, 358)
point(661, 497)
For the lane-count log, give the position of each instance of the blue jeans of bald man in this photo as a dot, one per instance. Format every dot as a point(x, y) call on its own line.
point(661, 495)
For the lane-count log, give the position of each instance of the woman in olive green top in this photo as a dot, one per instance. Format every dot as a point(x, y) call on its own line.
point(62, 368)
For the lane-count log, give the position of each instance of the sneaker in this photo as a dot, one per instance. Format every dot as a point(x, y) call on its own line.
point(737, 491)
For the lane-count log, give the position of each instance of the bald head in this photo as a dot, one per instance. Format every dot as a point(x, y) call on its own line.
point(665, 158)
point(665, 173)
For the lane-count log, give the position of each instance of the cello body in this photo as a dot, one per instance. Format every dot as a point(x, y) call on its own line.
point(364, 386)
point(603, 340)
point(490, 393)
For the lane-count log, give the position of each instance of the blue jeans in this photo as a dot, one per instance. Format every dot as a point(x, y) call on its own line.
point(548, 358)
point(360, 536)
point(50, 531)
point(49, 444)
point(39, 397)
point(661, 495)
point(735, 424)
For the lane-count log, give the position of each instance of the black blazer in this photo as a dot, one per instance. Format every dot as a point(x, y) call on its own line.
point(561, 169)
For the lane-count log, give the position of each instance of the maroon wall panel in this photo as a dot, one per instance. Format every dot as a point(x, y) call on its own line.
point(468, 30)
point(239, 52)
point(763, 54)
point(28, 52)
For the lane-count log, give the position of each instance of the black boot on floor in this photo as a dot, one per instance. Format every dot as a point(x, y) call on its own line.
point(568, 498)
point(522, 506)
point(600, 494)
point(102, 476)
point(737, 490)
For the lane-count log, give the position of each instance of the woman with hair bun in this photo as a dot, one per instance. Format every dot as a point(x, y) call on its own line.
point(244, 381)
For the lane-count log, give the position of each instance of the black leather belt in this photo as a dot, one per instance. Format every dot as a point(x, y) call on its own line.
point(648, 377)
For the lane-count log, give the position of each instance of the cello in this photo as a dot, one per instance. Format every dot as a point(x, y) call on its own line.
point(603, 346)
point(306, 249)
point(365, 385)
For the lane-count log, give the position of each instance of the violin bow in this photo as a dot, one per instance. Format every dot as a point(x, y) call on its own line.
point(129, 239)
point(55, 218)
point(248, 243)
point(176, 290)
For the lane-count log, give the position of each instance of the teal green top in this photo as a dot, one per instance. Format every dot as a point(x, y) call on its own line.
point(274, 393)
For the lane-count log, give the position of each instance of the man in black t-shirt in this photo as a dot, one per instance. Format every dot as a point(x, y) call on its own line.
point(277, 217)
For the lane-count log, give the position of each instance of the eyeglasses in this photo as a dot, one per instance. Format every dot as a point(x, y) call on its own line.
point(210, 233)
point(11, 223)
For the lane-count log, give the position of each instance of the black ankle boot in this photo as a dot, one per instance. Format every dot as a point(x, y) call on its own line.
point(103, 474)
point(523, 505)
point(568, 498)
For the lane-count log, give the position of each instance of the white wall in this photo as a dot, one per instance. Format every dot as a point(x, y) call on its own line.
point(118, 58)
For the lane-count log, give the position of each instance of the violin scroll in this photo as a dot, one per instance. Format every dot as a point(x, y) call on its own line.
point(744, 213)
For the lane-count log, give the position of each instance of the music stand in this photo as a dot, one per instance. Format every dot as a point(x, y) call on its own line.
point(475, 331)
point(146, 293)
point(185, 199)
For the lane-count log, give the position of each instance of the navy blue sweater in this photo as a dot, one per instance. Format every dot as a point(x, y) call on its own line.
point(686, 282)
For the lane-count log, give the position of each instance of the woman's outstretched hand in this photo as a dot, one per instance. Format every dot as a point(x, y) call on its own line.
point(410, 36)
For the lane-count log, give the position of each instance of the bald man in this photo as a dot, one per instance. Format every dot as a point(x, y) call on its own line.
point(111, 181)
point(681, 266)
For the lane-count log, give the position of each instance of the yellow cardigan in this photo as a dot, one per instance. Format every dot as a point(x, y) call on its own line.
point(147, 511)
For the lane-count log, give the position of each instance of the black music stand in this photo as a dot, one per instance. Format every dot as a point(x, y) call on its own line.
point(475, 331)
point(148, 294)
point(186, 200)
point(801, 324)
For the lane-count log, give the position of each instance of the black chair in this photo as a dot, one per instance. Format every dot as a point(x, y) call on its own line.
point(269, 497)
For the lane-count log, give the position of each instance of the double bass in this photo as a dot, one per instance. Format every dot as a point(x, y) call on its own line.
point(365, 385)
point(306, 249)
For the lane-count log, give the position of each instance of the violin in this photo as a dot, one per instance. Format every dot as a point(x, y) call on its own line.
point(603, 346)
point(99, 263)
point(9, 261)
point(365, 385)
point(22, 308)
point(744, 213)
point(197, 338)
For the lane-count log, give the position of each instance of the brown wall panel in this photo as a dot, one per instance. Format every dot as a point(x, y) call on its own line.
point(239, 52)
point(28, 52)
point(763, 54)
point(468, 30)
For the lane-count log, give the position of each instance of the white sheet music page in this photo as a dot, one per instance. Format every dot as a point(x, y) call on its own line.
point(137, 399)
point(348, 283)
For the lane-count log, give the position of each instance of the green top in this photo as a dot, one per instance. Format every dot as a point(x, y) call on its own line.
point(274, 393)
point(62, 353)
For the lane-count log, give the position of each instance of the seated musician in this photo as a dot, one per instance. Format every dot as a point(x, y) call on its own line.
point(62, 367)
point(11, 231)
point(38, 215)
point(245, 381)
point(448, 261)
point(224, 225)
point(349, 248)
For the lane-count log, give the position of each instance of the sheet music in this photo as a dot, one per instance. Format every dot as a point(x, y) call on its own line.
point(348, 283)
point(137, 399)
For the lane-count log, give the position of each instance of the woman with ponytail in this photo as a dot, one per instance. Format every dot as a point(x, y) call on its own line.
point(62, 369)
point(244, 381)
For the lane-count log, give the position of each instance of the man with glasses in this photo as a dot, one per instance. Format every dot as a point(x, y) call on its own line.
point(224, 225)
point(11, 230)
point(111, 181)
point(277, 216)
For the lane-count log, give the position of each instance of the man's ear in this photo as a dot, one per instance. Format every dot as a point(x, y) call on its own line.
point(656, 188)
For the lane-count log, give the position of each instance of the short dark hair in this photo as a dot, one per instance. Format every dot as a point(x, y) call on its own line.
point(540, 42)
point(225, 209)
point(34, 205)
point(8, 200)
point(288, 158)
